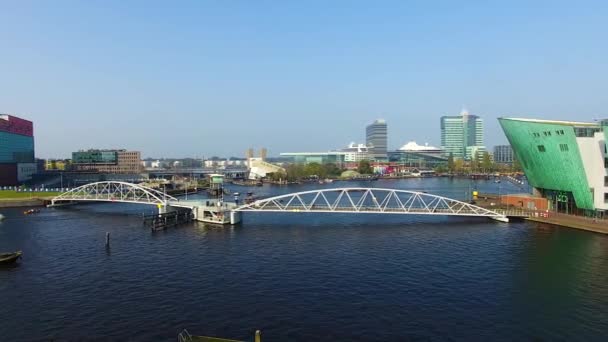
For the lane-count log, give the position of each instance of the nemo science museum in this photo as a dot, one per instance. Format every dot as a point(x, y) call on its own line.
point(565, 162)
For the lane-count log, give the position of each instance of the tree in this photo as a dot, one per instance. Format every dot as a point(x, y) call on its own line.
point(440, 169)
point(294, 172)
point(276, 176)
point(314, 169)
point(451, 162)
point(516, 166)
point(365, 168)
point(486, 163)
point(458, 165)
point(331, 170)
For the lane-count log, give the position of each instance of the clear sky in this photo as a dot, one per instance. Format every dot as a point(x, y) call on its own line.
point(204, 78)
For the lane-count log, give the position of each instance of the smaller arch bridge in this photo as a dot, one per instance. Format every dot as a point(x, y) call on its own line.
point(369, 201)
point(112, 191)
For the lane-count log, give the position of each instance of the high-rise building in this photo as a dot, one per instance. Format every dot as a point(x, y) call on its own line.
point(462, 135)
point(566, 162)
point(17, 162)
point(249, 153)
point(107, 161)
point(376, 139)
point(503, 154)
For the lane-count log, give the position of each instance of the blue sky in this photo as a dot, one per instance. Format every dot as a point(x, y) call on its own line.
point(206, 78)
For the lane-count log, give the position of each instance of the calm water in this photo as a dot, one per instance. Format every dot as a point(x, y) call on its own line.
point(302, 278)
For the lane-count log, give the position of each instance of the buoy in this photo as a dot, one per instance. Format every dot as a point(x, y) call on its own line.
point(107, 239)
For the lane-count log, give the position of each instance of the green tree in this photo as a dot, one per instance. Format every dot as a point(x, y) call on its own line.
point(294, 172)
point(276, 176)
point(365, 168)
point(458, 165)
point(314, 169)
point(486, 163)
point(331, 170)
point(451, 162)
point(441, 169)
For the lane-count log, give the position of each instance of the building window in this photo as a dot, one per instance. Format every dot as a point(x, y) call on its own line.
point(605, 197)
point(605, 163)
point(541, 148)
point(563, 147)
point(605, 180)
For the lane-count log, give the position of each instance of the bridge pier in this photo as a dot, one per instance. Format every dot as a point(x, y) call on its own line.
point(235, 217)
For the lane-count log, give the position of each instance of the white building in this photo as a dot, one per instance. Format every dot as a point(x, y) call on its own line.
point(412, 146)
point(355, 152)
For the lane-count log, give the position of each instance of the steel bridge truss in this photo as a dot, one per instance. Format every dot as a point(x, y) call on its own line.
point(371, 201)
point(114, 192)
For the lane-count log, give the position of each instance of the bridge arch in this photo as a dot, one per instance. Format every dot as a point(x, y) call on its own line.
point(114, 191)
point(369, 201)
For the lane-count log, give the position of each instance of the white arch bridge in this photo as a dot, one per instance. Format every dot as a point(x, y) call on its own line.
point(369, 201)
point(338, 200)
point(112, 191)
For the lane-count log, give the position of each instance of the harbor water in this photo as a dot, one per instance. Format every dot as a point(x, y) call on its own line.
point(302, 277)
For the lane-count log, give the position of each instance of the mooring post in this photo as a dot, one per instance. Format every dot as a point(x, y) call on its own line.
point(258, 336)
point(107, 239)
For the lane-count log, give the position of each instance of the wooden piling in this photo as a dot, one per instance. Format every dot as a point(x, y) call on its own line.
point(107, 239)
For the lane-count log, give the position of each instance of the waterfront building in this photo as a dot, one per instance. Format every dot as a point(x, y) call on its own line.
point(418, 156)
point(107, 161)
point(334, 157)
point(17, 161)
point(503, 154)
point(56, 164)
point(376, 139)
point(565, 162)
point(462, 135)
point(354, 153)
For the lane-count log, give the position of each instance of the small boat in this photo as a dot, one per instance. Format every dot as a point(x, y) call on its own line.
point(31, 211)
point(9, 258)
point(1, 217)
point(185, 336)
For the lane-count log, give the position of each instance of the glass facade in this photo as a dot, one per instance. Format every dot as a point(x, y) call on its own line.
point(461, 132)
point(418, 159)
point(558, 159)
point(318, 157)
point(16, 148)
point(376, 139)
point(94, 157)
point(503, 154)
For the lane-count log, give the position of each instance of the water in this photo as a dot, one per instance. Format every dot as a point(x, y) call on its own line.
point(302, 278)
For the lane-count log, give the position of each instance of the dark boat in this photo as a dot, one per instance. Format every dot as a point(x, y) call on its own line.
point(9, 258)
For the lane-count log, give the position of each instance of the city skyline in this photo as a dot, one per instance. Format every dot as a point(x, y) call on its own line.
point(200, 79)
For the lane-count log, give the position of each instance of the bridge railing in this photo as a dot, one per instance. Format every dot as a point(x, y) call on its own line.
point(368, 200)
point(114, 191)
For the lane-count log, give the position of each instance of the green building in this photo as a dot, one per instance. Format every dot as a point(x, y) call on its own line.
point(565, 162)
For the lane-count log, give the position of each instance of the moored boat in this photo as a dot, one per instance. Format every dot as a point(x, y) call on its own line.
point(9, 258)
